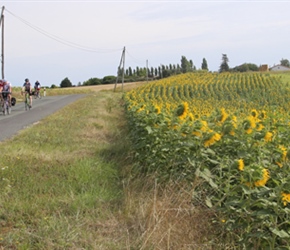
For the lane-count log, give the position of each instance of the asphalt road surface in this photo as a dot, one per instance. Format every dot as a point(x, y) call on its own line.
point(20, 118)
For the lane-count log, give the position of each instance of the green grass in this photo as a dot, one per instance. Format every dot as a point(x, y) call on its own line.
point(60, 181)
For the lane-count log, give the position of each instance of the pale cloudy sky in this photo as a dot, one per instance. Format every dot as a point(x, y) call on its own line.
point(51, 40)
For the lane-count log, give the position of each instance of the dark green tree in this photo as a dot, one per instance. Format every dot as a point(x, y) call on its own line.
point(204, 64)
point(65, 83)
point(151, 71)
point(156, 72)
point(185, 65)
point(224, 65)
point(130, 71)
point(192, 67)
point(109, 79)
point(92, 81)
point(246, 67)
point(285, 62)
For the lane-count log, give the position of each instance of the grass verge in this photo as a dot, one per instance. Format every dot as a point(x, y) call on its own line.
point(59, 179)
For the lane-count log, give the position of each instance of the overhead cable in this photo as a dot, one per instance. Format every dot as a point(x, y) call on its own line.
point(60, 40)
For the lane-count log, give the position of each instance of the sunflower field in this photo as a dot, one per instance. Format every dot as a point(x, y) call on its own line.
point(230, 133)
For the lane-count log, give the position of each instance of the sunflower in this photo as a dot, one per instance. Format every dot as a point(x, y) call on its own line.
point(262, 182)
point(241, 165)
point(268, 136)
point(182, 111)
point(254, 113)
point(213, 139)
point(285, 198)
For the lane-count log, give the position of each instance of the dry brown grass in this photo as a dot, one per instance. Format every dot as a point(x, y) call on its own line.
point(126, 86)
point(165, 217)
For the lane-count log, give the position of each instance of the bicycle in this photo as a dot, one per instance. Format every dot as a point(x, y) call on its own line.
point(27, 101)
point(37, 94)
point(6, 108)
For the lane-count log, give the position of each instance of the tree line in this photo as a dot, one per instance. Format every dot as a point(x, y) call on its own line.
point(163, 71)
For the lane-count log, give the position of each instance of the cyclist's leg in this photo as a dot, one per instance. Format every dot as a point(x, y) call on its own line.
point(1, 98)
point(9, 99)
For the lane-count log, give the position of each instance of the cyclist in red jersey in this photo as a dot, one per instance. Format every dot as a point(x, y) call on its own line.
point(7, 88)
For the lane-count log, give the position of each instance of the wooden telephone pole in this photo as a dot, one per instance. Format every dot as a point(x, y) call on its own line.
point(2, 46)
point(119, 69)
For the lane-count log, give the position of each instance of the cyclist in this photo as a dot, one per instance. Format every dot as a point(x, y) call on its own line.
point(7, 87)
point(27, 89)
point(37, 88)
point(1, 87)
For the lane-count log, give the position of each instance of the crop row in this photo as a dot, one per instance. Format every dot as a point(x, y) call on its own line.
point(229, 133)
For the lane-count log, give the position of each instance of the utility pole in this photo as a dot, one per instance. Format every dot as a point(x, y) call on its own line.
point(2, 46)
point(123, 70)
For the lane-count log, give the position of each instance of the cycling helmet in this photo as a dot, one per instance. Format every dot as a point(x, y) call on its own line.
point(26, 80)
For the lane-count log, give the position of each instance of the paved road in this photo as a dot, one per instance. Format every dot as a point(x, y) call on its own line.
point(20, 119)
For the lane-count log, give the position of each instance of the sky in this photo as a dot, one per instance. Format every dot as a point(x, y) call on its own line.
point(51, 40)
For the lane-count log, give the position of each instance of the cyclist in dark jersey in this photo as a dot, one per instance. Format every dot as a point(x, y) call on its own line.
point(27, 88)
point(37, 87)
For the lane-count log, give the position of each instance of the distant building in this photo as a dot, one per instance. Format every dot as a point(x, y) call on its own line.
point(264, 67)
point(279, 68)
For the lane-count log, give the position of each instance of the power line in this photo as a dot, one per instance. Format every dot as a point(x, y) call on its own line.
point(61, 40)
point(135, 59)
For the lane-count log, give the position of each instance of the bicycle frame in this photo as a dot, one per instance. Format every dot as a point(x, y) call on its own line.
point(27, 101)
point(37, 94)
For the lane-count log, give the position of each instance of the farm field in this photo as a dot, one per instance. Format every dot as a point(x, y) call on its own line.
point(228, 135)
point(154, 167)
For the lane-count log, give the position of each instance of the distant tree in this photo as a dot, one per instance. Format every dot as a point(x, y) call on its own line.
point(53, 86)
point(246, 67)
point(120, 71)
point(285, 62)
point(92, 81)
point(174, 69)
point(152, 71)
point(130, 71)
point(224, 65)
point(185, 65)
point(192, 67)
point(178, 69)
point(65, 83)
point(109, 79)
point(204, 64)
point(253, 67)
point(156, 72)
